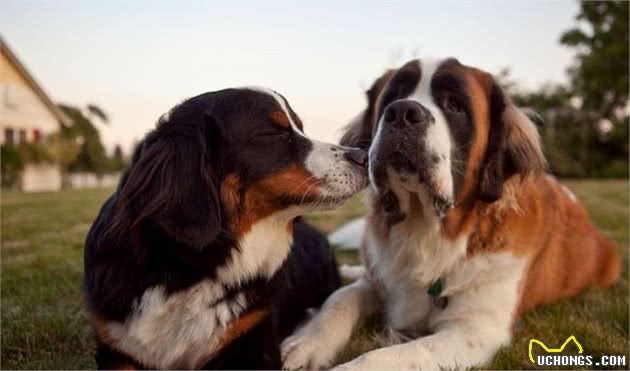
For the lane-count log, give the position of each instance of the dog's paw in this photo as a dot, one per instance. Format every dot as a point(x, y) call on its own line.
point(374, 360)
point(401, 357)
point(306, 350)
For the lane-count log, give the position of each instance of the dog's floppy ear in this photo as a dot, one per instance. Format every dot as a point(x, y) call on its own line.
point(358, 133)
point(173, 183)
point(513, 146)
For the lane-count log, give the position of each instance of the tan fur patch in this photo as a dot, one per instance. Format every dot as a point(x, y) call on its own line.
point(279, 118)
point(460, 219)
point(479, 97)
point(243, 325)
point(230, 189)
point(235, 330)
point(265, 197)
point(99, 325)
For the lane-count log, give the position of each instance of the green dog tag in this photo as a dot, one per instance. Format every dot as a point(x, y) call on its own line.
point(435, 289)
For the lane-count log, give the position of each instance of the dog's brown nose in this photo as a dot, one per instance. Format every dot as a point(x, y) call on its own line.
point(357, 156)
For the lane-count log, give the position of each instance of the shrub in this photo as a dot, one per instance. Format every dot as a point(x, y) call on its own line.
point(11, 164)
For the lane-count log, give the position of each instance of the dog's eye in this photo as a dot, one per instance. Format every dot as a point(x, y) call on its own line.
point(452, 104)
point(275, 133)
point(276, 136)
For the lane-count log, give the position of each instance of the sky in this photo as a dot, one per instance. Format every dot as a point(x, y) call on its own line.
point(138, 59)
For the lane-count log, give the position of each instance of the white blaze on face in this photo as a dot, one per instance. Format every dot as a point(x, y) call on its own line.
point(438, 138)
point(321, 158)
point(325, 161)
point(376, 142)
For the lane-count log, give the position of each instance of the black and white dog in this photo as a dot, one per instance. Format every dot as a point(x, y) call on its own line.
point(199, 259)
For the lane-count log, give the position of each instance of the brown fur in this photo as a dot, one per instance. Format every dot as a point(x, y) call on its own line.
point(99, 326)
point(566, 252)
point(260, 200)
point(516, 147)
point(279, 118)
point(235, 329)
point(530, 215)
point(533, 217)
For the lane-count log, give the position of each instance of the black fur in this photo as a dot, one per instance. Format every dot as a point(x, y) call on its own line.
point(493, 168)
point(306, 279)
point(165, 224)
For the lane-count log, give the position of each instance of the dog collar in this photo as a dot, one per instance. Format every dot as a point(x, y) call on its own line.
point(435, 289)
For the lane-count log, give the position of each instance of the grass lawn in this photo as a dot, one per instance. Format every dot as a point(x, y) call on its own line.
point(44, 325)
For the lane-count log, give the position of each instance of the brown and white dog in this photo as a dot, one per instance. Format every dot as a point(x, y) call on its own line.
point(465, 230)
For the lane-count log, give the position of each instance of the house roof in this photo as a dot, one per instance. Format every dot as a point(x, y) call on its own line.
point(39, 91)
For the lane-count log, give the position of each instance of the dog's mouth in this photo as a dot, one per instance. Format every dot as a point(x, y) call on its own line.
point(424, 197)
point(442, 205)
point(332, 192)
point(319, 202)
point(421, 180)
point(336, 192)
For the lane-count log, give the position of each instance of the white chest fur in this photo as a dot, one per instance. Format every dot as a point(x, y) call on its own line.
point(180, 330)
point(407, 266)
point(261, 251)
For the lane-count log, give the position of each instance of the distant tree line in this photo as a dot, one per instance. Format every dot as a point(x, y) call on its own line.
point(585, 130)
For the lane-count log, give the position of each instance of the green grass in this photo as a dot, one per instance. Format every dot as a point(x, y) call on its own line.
point(44, 325)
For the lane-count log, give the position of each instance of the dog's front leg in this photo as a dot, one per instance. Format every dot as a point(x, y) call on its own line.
point(457, 346)
point(466, 333)
point(316, 344)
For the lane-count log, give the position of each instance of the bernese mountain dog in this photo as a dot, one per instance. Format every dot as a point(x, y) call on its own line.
point(200, 259)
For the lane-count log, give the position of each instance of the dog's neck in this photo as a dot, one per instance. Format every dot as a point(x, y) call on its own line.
point(260, 251)
point(417, 243)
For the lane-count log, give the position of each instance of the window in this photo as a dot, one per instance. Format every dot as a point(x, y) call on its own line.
point(22, 136)
point(36, 135)
point(9, 138)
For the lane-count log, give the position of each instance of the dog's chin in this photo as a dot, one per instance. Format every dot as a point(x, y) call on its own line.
point(331, 197)
point(324, 202)
point(430, 200)
point(329, 202)
point(336, 199)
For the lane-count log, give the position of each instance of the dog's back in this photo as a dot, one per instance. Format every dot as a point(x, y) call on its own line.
point(572, 253)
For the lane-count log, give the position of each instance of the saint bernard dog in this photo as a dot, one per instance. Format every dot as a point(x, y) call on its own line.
point(199, 259)
point(464, 232)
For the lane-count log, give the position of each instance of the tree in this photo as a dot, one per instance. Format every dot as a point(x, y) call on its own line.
point(95, 110)
point(586, 121)
point(599, 82)
point(11, 165)
point(117, 162)
point(600, 73)
point(62, 150)
point(91, 156)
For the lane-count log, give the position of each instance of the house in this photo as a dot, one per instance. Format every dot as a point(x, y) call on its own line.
point(27, 115)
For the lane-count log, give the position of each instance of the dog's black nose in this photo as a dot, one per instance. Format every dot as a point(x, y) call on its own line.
point(405, 112)
point(357, 156)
